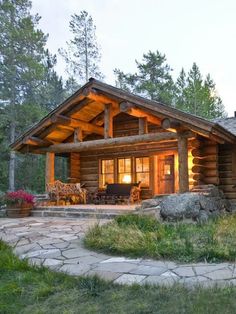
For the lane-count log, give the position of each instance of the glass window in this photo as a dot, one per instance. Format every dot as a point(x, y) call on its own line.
point(142, 170)
point(124, 170)
point(107, 175)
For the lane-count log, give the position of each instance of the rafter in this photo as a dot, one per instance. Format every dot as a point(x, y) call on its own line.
point(75, 123)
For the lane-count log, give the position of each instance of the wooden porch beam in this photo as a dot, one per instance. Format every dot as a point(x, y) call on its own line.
point(75, 123)
point(138, 113)
point(183, 162)
point(114, 142)
point(108, 121)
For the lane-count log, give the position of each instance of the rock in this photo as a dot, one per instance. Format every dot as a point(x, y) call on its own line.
point(197, 206)
point(150, 203)
point(180, 206)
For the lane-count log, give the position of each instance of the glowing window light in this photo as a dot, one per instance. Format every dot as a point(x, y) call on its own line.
point(127, 178)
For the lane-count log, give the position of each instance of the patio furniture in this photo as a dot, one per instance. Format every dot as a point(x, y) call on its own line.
point(60, 190)
point(119, 193)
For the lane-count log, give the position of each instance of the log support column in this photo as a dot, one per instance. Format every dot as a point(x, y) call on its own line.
point(108, 121)
point(49, 169)
point(143, 127)
point(183, 163)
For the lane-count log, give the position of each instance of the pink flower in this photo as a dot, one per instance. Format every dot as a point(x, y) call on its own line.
point(19, 197)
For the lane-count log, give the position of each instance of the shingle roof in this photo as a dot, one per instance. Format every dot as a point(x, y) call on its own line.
point(227, 123)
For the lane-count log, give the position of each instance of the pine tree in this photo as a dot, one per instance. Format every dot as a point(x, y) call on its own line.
point(198, 96)
point(152, 80)
point(82, 55)
point(22, 66)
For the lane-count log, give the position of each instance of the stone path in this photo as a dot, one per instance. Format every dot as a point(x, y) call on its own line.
point(57, 243)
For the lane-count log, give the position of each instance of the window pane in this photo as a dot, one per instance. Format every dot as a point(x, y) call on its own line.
point(145, 164)
point(107, 166)
point(144, 178)
point(107, 179)
point(139, 167)
point(121, 166)
point(127, 165)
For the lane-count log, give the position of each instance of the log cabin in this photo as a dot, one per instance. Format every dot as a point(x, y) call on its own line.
point(112, 136)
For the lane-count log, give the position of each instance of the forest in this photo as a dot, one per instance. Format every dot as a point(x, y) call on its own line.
point(30, 87)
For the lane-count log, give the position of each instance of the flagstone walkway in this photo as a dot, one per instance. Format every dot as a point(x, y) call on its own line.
point(57, 243)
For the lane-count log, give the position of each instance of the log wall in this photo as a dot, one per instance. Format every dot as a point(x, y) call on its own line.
point(74, 167)
point(205, 162)
point(227, 168)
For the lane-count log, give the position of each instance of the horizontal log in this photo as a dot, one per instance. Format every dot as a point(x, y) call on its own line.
point(226, 181)
point(211, 173)
point(205, 151)
point(130, 109)
point(198, 176)
point(172, 125)
point(230, 195)
point(227, 187)
point(202, 160)
point(211, 180)
point(75, 123)
point(203, 168)
point(112, 142)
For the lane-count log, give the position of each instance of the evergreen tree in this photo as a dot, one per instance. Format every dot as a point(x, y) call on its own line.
point(152, 80)
point(180, 91)
point(82, 55)
point(195, 95)
point(23, 68)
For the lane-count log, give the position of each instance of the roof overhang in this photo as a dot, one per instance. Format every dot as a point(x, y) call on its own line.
point(95, 94)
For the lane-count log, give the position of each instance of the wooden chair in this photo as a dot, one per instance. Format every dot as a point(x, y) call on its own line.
point(61, 190)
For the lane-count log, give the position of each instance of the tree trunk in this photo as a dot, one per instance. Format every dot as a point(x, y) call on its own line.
point(12, 159)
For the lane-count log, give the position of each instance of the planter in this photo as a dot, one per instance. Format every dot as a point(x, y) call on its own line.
point(19, 211)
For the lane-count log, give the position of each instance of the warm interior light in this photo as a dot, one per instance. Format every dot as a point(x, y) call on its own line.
point(127, 178)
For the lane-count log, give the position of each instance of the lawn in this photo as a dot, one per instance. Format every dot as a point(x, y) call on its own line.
point(143, 236)
point(27, 289)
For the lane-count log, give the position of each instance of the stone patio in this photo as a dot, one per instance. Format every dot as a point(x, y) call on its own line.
point(57, 243)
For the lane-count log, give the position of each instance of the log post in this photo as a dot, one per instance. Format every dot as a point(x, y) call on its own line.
point(143, 127)
point(183, 163)
point(49, 169)
point(108, 121)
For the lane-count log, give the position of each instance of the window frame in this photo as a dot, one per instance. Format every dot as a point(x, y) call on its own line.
point(146, 172)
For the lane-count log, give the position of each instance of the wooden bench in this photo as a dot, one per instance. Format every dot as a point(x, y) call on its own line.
point(119, 193)
point(60, 190)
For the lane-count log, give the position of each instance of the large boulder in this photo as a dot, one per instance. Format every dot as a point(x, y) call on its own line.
point(195, 206)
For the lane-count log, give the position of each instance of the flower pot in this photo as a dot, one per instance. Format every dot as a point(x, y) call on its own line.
point(16, 211)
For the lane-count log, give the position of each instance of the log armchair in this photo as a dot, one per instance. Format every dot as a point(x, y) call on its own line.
point(61, 190)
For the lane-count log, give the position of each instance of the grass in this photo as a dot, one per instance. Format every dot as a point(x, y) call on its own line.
point(36, 290)
point(143, 236)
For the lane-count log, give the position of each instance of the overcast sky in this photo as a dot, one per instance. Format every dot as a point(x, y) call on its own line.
point(187, 31)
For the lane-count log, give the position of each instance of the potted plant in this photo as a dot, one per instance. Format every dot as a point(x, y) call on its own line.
point(19, 204)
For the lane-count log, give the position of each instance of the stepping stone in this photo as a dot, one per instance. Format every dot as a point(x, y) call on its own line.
point(105, 275)
point(75, 269)
point(52, 262)
point(121, 260)
point(160, 280)
point(220, 274)
point(42, 253)
point(148, 270)
point(116, 267)
point(78, 252)
point(184, 271)
point(129, 279)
